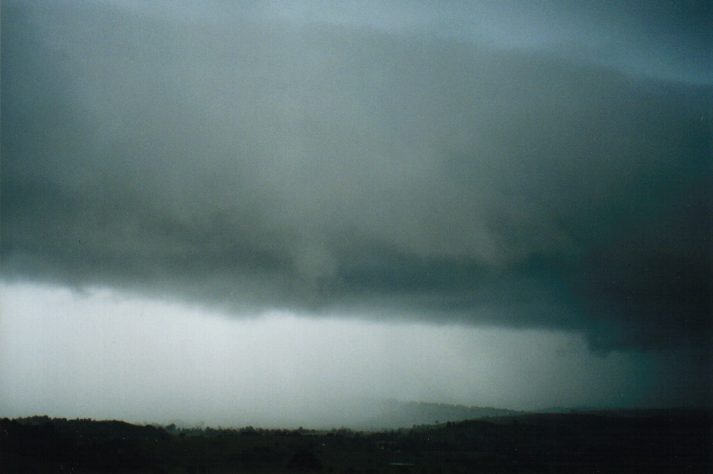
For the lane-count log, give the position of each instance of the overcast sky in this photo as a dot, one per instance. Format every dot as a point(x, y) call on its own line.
point(213, 208)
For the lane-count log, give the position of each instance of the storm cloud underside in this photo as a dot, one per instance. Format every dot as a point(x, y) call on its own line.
point(254, 163)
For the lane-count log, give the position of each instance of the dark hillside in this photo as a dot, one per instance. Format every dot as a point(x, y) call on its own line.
point(675, 441)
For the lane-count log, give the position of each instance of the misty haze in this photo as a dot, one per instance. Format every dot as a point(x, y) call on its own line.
point(378, 236)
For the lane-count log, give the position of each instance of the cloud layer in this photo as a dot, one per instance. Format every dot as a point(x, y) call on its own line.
point(251, 162)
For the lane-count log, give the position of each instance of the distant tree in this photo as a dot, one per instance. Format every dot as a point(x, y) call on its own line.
point(249, 431)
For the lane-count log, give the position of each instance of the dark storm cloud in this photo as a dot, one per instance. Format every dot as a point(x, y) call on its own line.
point(250, 162)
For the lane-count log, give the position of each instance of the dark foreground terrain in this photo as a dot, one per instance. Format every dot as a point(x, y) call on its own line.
point(633, 441)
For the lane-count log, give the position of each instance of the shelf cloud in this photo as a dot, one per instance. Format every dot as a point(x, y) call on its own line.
point(252, 161)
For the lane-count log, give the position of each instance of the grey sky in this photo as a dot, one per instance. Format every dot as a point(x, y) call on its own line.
point(103, 355)
point(540, 166)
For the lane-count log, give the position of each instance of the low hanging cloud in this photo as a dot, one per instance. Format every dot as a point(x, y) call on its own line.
point(254, 163)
